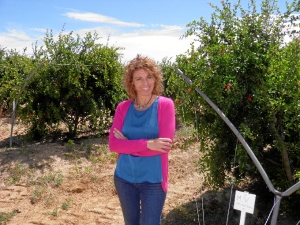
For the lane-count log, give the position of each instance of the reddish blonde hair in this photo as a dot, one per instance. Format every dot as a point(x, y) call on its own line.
point(148, 65)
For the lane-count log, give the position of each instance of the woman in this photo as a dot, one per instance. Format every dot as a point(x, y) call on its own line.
point(142, 133)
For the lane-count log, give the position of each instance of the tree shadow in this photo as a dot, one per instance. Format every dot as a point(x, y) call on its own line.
point(40, 154)
point(216, 208)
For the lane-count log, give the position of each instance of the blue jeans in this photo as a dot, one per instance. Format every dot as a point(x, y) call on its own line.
point(141, 203)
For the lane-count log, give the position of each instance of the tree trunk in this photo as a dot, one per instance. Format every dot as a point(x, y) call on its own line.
point(283, 149)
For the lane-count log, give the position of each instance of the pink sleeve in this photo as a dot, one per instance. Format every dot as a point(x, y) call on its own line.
point(166, 118)
point(119, 145)
point(166, 121)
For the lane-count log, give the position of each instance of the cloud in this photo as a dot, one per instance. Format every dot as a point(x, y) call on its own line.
point(154, 46)
point(103, 32)
point(156, 41)
point(98, 18)
point(16, 40)
point(162, 30)
point(16, 35)
point(41, 30)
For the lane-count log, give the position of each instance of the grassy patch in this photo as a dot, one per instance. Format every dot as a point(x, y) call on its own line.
point(4, 217)
point(18, 172)
point(67, 204)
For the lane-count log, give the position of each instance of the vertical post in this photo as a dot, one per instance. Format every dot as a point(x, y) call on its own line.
point(12, 122)
point(276, 209)
point(243, 218)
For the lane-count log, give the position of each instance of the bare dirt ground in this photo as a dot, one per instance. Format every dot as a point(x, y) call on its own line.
point(62, 183)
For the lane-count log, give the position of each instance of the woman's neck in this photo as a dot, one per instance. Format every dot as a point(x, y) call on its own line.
point(144, 101)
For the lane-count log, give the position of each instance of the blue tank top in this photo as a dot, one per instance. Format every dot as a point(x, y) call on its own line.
point(140, 125)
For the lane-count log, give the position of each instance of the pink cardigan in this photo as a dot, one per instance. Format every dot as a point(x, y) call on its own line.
point(166, 123)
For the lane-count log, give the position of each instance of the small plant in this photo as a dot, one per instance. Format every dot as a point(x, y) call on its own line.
point(79, 171)
point(6, 216)
point(103, 155)
point(54, 212)
point(70, 145)
point(66, 204)
point(95, 179)
point(51, 179)
point(16, 173)
point(49, 199)
point(37, 195)
point(58, 180)
point(87, 146)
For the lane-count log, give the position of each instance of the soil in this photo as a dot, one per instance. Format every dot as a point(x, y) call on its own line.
point(62, 183)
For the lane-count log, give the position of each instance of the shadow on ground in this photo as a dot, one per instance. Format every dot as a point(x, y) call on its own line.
point(216, 208)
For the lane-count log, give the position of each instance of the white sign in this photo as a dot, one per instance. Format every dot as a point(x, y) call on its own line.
point(244, 201)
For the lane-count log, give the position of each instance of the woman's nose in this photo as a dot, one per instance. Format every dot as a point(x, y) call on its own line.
point(144, 81)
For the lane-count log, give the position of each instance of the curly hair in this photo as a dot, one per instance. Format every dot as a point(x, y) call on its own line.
point(148, 65)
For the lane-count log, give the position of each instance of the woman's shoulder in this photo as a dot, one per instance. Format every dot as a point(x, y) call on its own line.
point(124, 104)
point(162, 100)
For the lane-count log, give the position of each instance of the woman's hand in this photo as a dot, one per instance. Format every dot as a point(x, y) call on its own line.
point(118, 134)
point(160, 144)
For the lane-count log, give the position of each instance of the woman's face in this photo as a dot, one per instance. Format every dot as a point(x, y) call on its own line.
point(143, 82)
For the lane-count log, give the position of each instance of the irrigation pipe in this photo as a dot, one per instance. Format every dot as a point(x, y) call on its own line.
point(261, 170)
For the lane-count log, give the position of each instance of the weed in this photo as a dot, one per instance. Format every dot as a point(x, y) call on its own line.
point(58, 180)
point(37, 195)
point(6, 216)
point(54, 212)
point(51, 179)
point(70, 145)
point(66, 204)
point(95, 179)
point(87, 146)
point(79, 171)
point(103, 155)
point(16, 173)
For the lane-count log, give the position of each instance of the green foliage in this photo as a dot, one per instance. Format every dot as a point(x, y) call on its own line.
point(13, 71)
point(176, 89)
point(67, 204)
point(77, 85)
point(4, 217)
point(242, 64)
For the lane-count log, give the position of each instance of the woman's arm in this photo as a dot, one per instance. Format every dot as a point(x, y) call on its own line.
point(120, 145)
point(166, 123)
point(143, 147)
